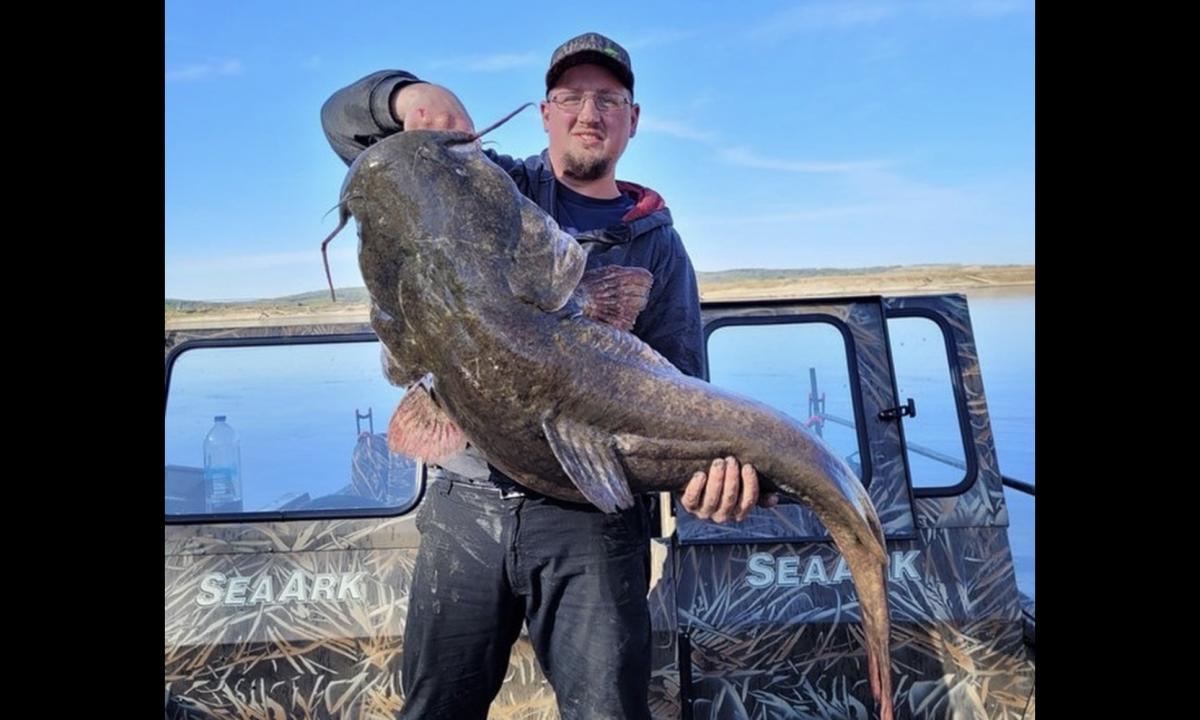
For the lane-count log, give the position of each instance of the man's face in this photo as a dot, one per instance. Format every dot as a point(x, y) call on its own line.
point(586, 143)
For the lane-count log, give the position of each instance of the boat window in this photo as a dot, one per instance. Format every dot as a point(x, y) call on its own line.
point(304, 430)
point(936, 438)
point(801, 368)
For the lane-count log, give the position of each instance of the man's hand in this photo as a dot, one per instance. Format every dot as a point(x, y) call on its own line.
point(424, 106)
point(720, 495)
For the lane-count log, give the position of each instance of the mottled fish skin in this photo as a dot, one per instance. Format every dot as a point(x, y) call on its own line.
point(472, 284)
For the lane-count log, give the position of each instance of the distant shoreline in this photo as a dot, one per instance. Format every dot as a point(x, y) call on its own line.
point(971, 280)
point(909, 280)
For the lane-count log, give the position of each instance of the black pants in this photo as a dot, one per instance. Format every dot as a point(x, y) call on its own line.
point(486, 564)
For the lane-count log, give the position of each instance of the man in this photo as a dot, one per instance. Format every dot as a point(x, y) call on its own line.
point(493, 554)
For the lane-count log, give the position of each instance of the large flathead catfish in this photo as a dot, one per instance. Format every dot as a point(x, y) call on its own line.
point(476, 288)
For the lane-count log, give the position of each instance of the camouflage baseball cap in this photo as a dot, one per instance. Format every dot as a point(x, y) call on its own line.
point(590, 48)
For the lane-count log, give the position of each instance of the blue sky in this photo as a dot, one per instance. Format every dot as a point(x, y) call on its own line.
point(781, 134)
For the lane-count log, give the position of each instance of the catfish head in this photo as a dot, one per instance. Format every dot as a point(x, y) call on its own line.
point(429, 202)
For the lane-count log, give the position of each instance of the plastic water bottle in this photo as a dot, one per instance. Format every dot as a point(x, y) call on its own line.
point(222, 469)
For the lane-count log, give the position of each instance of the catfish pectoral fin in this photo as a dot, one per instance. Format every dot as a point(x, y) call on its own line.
point(421, 429)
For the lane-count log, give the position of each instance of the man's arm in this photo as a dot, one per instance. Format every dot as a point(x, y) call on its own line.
point(671, 321)
point(387, 102)
point(391, 101)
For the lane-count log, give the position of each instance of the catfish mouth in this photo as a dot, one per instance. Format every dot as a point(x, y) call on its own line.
point(460, 143)
point(472, 139)
point(462, 147)
point(457, 143)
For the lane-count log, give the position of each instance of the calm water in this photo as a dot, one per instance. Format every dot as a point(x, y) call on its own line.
point(1004, 332)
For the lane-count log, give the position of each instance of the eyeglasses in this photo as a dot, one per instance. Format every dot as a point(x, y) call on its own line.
point(572, 102)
